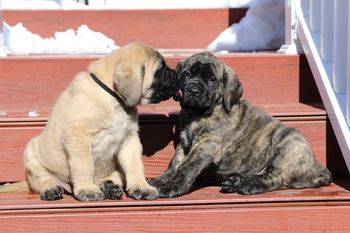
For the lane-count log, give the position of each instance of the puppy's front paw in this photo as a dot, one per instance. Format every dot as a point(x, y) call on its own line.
point(89, 194)
point(156, 182)
point(231, 184)
point(146, 193)
point(52, 194)
point(171, 190)
point(111, 190)
point(252, 186)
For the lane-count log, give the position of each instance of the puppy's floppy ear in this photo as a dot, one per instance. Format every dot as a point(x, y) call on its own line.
point(232, 88)
point(127, 79)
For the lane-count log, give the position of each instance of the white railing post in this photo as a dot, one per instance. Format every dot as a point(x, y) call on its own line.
point(327, 9)
point(348, 74)
point(315, 15)
point(289, 21)
point(340, 46)
point(289, 46)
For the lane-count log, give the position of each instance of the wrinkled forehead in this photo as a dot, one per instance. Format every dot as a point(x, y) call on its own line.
point(203, 65)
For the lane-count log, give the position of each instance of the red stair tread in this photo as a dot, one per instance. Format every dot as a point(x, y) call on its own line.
point(206, 195)
point(171, 108)
point(158, 146)
point(41, 79)
point(180, 28)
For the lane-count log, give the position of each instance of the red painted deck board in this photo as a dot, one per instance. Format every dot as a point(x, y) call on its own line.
point(34, 83)
point(159, 28)
point(262, 220)
point(210, 195)
point(157, 137)
point(204, 210)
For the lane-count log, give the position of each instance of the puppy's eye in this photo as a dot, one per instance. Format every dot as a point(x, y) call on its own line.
point(212, 79)
point(186, 74)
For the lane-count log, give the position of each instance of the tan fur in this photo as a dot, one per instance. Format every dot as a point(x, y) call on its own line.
point(89, 135)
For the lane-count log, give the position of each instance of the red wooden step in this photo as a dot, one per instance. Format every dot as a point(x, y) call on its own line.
point(157, 133)
point(34, 83)
point(206, 210)
point(186, 28)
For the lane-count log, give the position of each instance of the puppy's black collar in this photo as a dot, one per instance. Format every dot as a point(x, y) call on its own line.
point(116, 95)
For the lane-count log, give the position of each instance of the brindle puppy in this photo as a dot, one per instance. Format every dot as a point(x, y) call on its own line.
point(252, 152)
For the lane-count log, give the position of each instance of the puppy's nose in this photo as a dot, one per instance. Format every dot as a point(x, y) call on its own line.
point(194, 90)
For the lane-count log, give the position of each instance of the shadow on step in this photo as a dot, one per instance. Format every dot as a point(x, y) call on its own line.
point(335, 160)
point(157, 132)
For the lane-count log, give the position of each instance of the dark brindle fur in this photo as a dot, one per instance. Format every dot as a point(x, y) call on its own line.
point(252, 152)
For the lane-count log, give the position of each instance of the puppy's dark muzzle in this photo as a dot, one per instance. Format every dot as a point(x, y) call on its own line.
point(165, 85)
point(193, 89)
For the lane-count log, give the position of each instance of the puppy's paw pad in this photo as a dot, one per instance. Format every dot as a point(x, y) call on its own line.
point(231, 184)
point(52, 194)
point(170, 190)
point(252, 187)
point(111, 190)
point(156, 182)
point(89, 195)
point(150, 194)
point(135, 194)
point(146, 194)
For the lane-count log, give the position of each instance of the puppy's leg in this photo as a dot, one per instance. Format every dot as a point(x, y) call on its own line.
point(175, 163)
point(292, 165)
point(39, 179)
point(200, 156)
point(112, 185)
point(78, 146)
point(320, 178)
point(130, 159)
point(271, 180)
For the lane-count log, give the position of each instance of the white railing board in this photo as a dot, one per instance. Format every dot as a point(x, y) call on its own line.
point(340, 46)
point(324, 85)
point(327, 15)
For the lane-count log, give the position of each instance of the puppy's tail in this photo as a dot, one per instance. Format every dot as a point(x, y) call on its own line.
point(21, 186)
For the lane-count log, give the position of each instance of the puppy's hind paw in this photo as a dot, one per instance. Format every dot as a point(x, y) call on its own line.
point(52, 194)
point(111, 190)
point(231, 184)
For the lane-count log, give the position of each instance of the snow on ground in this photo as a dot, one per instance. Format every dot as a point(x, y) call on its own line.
point(262, 27)
point(19, 41)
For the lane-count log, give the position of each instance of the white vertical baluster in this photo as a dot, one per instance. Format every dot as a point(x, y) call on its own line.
point(348, 74)
point(315, 15)
point(289, 22)
point(327, 9)
point(340, 45)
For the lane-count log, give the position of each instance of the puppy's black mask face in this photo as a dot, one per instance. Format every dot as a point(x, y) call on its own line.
point(206, 82)
point(165, 83)
point(199, 86)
